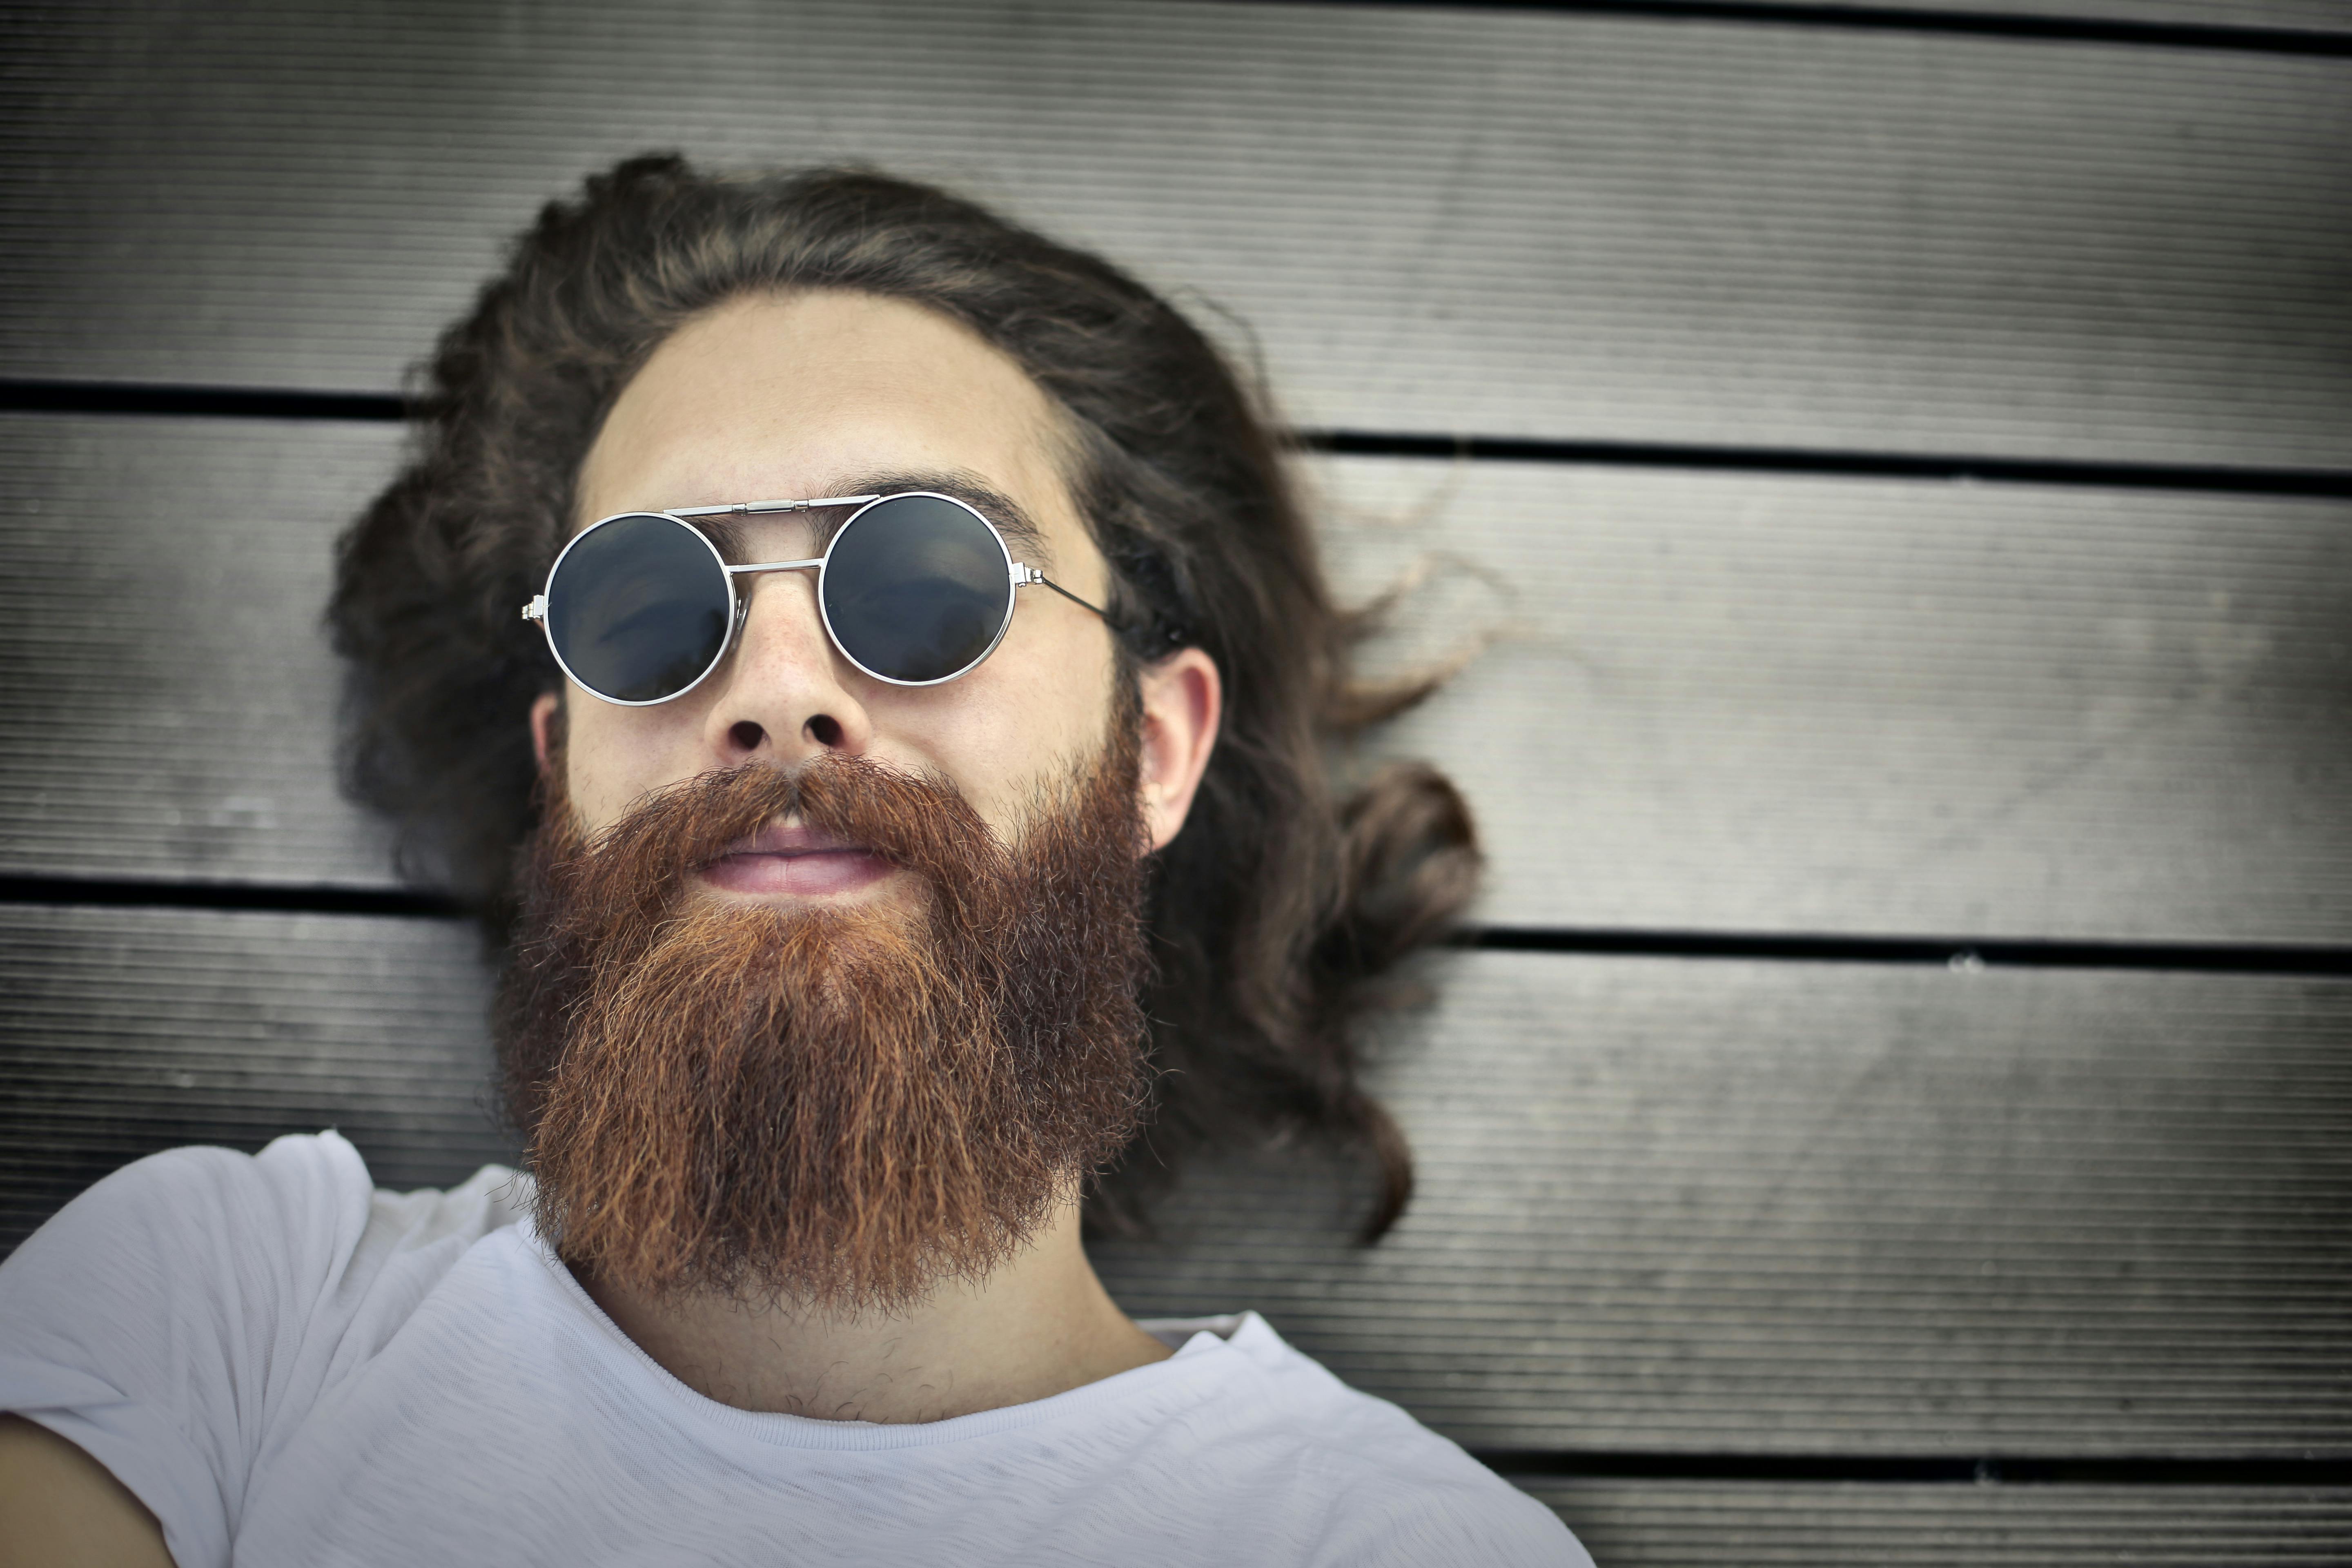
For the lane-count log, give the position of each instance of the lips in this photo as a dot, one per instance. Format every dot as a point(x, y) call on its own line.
point(795, 861)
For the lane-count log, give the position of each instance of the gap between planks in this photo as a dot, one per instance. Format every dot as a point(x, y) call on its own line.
point(2252, 39)
point(1961, 953)
point(2007, 1470)
point(48, 396)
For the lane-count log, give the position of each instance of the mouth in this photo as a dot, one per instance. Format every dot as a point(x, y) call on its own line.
point(794, 861)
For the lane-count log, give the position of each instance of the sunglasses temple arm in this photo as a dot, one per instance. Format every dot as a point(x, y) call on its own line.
point(1039, 577)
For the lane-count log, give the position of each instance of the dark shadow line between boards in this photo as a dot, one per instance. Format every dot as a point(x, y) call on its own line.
point(2242, 38)
point(232, 898)
point(27, 395)
point(1967, 954)
point(372, 407)
point(2077, 471)
point(2306, 1471)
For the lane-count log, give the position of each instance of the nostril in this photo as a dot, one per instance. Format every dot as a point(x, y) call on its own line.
point(746, 736)
point(825, 730)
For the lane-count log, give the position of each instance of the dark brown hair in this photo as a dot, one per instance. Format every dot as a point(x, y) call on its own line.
point(1275, 914)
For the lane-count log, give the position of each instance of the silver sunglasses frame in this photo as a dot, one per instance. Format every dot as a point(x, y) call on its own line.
point(1017, 576)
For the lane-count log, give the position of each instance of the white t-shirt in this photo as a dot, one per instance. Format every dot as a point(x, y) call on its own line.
point(289, 1367)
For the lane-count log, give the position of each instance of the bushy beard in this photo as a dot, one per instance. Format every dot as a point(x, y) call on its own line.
point(839, 1108)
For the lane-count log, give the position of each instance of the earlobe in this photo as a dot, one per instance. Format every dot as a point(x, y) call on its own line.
point(1183, 701)
point(546, 710)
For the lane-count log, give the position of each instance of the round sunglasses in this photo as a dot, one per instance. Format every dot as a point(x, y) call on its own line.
point(914, 589)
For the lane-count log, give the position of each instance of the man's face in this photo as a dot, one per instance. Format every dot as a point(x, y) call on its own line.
point(833, 393)
point(826, 987)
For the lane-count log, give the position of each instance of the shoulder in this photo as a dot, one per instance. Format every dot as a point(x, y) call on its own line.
point(1385, 1488)
point(253, 1253)
point(305, 1206)
point(179, 1217)
point(171, 1317)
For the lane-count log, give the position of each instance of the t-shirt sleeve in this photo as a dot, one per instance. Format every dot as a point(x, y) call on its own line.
point(1449, 1509)
point(152, 1318)
point(1494, 1526)
point(1396, 1494)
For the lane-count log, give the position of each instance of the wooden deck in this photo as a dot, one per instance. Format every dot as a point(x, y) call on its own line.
point(1897, 1102)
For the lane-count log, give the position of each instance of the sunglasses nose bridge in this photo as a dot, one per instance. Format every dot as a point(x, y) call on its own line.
point(744, 579)
point(806, 615)
point(782, 682)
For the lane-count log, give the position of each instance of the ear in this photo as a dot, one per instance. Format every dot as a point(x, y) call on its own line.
point(544, 710)
point(1182, 701)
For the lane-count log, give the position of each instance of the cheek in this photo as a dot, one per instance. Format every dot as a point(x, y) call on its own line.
point(1026, 716)
point(612, 756)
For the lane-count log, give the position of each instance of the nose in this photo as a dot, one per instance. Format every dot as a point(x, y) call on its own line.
point(786, 694)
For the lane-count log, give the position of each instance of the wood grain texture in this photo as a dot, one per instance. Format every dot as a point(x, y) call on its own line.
point(1709, 1206)
point(1549, 224)
point(1713, 702)
point(167, 691)
point(1784, 704)
point(1665, 1204)
point(131, 1031)
point(1669, 1524)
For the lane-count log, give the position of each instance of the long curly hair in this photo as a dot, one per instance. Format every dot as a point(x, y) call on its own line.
point(1277, 915)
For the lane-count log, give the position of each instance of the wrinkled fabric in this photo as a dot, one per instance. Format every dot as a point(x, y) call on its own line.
point(290, 1367)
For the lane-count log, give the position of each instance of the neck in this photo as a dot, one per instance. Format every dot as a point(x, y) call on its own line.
point(1040, 1325)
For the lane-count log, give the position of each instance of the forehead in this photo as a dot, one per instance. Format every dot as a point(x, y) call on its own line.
point(799, 395)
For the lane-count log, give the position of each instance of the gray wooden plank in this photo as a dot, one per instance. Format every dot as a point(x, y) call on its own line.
point(124, 1032)
point(1709, 1206)
point(1717, 703)
point(167, 691)
point(1784, 704)
point(1632, 227)
point(1749, 1524)
point(1665, 1204)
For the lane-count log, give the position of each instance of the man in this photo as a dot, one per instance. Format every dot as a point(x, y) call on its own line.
point(911, 725)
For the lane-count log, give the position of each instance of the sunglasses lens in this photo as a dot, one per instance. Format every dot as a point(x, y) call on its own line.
point(917, 588)
point(638, 610)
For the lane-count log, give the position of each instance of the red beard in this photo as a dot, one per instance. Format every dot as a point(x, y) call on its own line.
point(835, 1107)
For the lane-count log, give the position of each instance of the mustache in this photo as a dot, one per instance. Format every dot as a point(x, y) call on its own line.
point(638, 865)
